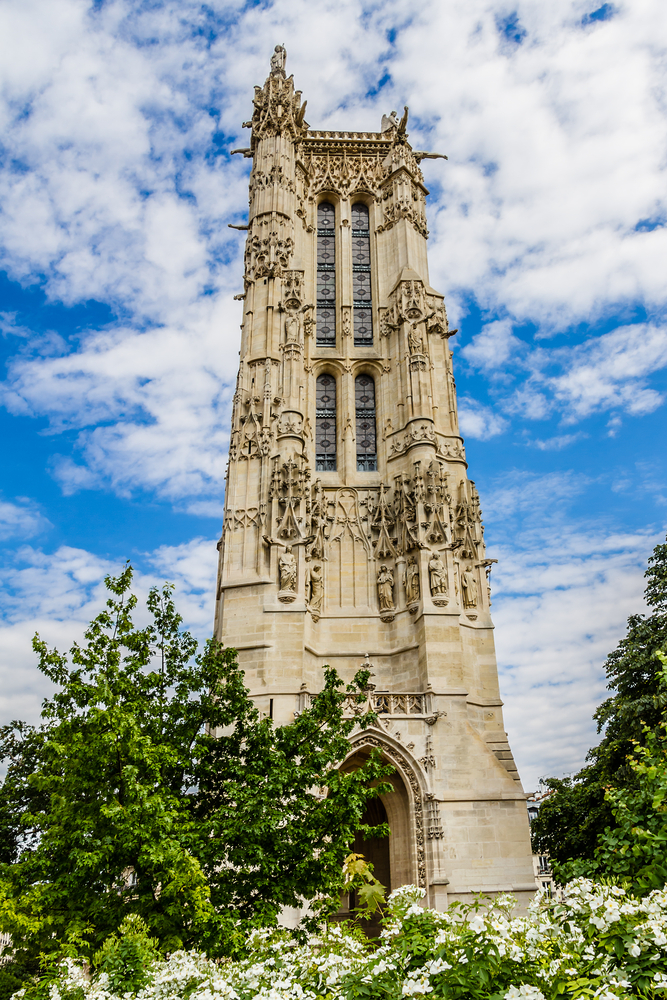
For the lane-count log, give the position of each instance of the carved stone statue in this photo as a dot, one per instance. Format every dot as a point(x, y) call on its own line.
point(315, 589)
point(278, 59)
point(437, 575)
point(292, 329)
point(287, 569)
point(412, 581)
point(389, 121)
point(385, 585)
point(415, 340)
point(469, 588)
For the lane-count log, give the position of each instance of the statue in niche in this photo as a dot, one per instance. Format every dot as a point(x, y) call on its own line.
point(412, 581)
point(287, 569)
point(278, 60)
point(437, 574)
point(292, 335)
point(415, 339)
point(385, 585)
point(315, 589)
point(469, 588)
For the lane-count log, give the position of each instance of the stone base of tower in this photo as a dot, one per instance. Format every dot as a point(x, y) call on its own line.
point(458, 812)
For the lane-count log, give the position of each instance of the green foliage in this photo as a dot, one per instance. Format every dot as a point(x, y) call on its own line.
point(359, 878)
point(10, 983)
point(570, 820)
point(153, 787)
point(634, 849)
point(127, 956)
point(597, 942)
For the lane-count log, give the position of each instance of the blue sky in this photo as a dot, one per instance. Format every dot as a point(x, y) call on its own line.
point(120, 332)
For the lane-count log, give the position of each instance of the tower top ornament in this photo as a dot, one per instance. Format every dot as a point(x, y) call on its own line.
point(278, 60)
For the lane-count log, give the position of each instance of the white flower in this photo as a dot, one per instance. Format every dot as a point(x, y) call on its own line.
point(524, 992)
point(436, 966)
point(634, 949)
point(413, 987)
point(477, 923)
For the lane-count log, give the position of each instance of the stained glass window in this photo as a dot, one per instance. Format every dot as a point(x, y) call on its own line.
point(364, 401)
point(361, 277)
point(325, 423)
point(326, 275)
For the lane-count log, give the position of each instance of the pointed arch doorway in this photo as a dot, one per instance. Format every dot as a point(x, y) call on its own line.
point(394, 858)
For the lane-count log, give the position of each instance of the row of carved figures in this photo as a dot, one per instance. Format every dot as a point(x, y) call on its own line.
point(385, 581)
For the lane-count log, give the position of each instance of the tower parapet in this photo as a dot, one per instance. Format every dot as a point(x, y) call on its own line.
point(351, 525)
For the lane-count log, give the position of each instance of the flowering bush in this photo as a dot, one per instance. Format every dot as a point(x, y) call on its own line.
point(597, 941)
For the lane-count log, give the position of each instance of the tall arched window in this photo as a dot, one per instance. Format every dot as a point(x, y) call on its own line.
point(325, 423)
point(326, 275)
point(364, 401)
point(361, 277)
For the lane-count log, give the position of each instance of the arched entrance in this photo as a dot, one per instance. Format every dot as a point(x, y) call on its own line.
point(397, 859)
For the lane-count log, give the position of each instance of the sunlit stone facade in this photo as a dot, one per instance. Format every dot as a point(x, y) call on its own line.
point(351, 526)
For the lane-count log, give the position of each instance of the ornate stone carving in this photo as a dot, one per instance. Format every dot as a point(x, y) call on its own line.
point(428, 760)
point(268, 256)
point(434, 829)
point(385, 586)
point(315, 590)
point(469, 587)
point(287, 574)
point(289, 486)
point(412, 581)
point(437, 572)
point(346, 176)
point(409, 773)
point(277, 107)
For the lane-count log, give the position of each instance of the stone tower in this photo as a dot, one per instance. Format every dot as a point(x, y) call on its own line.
point(351, 529)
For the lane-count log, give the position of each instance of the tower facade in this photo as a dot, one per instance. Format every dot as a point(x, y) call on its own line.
point(352, 532)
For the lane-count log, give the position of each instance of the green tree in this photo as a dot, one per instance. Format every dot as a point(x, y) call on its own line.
point(153, 787)
point(571, 819)
point(634, 849)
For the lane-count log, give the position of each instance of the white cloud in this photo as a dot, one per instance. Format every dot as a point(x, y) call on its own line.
point(58, 594)
point(556, 443)
point(609, 372)
point(562, 592)
point(22, 519)
point(159, 399)
point(532, 494)
point(479, 421)
point(110, 191)
point(491, 349)
point(560, 606)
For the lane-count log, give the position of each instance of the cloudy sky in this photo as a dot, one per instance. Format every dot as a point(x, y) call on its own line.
point(120, 333)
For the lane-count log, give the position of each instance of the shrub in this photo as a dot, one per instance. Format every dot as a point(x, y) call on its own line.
point(598, 941)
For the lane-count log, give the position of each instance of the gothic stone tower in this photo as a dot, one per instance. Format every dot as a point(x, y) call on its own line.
point(351, 528)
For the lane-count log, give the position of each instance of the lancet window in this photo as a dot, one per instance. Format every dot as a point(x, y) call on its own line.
point(361, 276)
point(326, 275)
point(325, 423)
point(364, 401)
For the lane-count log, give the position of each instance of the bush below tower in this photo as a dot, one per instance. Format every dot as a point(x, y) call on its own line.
point(596, 941)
